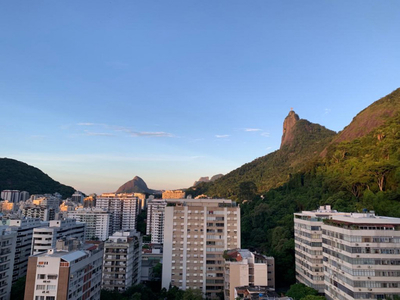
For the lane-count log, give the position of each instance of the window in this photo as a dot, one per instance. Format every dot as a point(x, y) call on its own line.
point(41, 276)
point(40, 287)
point(51, 287)
point(52, 276)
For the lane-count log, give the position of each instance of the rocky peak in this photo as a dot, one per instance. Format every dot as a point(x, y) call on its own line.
point(136, 185)
point(288, 127)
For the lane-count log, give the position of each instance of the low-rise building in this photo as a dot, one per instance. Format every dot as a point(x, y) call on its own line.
point(245, 268)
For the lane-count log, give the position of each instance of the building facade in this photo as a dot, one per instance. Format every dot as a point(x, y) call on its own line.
point(155, 220)
point(308, 246)
point(175, 194)
point(8, 241)
point(361, 257)
point(245, 268)
point(24, 230)
point(44, 238)
point(97, 222)
point(122, 260)
point(123, 209)
point(196, 233)
point(65, 274)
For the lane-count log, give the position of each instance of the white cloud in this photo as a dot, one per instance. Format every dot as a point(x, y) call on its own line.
point(252, 129)
point(266, 134)
point(86, 124)
point(327, 111)
point(151, 134)
point(98, 133)
point(221, 136)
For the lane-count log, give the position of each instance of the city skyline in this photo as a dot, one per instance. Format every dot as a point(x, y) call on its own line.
point(96, 93)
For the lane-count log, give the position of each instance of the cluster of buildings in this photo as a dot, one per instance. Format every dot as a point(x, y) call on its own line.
point(70, 249)
point(348, 256)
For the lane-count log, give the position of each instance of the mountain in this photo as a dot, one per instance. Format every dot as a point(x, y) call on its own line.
point(356, 169)
point(16, 175)
point(207, 179)
point(302, 141)
point(136, 185)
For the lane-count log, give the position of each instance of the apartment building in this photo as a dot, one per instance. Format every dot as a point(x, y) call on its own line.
point(65, 273)
point(97, 222)
point(308, 246)
point(173, 194)
point(155, 220)
point(122, 260)
point(7, 253)
point(11, 195)
point(77, 197)
point(38, 212)
point(361, 255)
point(44, 238)
point(24, 230)
point(245, 268)
point(123, 209)
point(196, 233)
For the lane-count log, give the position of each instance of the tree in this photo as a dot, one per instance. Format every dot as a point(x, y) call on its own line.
point(18, 289)
point(299, 291)
point(193, 294)
point(312, 297)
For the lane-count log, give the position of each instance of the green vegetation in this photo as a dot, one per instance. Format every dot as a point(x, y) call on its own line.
point(141, 291)
point(357, 169)
point(272, 170)
point(16, 175)
point(18, 289)
point(299, 291)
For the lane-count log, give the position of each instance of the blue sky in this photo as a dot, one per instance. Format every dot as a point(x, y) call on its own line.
point(96, 92)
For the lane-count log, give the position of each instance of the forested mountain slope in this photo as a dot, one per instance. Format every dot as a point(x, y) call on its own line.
point(16, 175)
point(358, 168)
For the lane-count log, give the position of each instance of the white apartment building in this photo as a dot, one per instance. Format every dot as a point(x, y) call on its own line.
point(361, 257)
point(97, 222)
point(196, 233)
point(155, 220)
point(308, 246)
point(38, 212)
point(65, 274)
point(245, 268)
point(7, 253)
point(24, 230)
point(122, 260)
point(123, 209)
point(44, 238)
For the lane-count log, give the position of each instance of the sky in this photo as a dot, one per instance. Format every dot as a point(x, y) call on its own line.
point(94, 93)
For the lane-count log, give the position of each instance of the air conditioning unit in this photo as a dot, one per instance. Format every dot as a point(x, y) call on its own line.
point(369, 277)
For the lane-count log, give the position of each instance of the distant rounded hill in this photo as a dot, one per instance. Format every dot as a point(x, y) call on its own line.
point(136, 185)
point(17, 175)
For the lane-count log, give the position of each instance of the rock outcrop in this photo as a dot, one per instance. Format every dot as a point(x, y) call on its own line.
point(136, 185)
point(207, 179)
point(288, 126)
